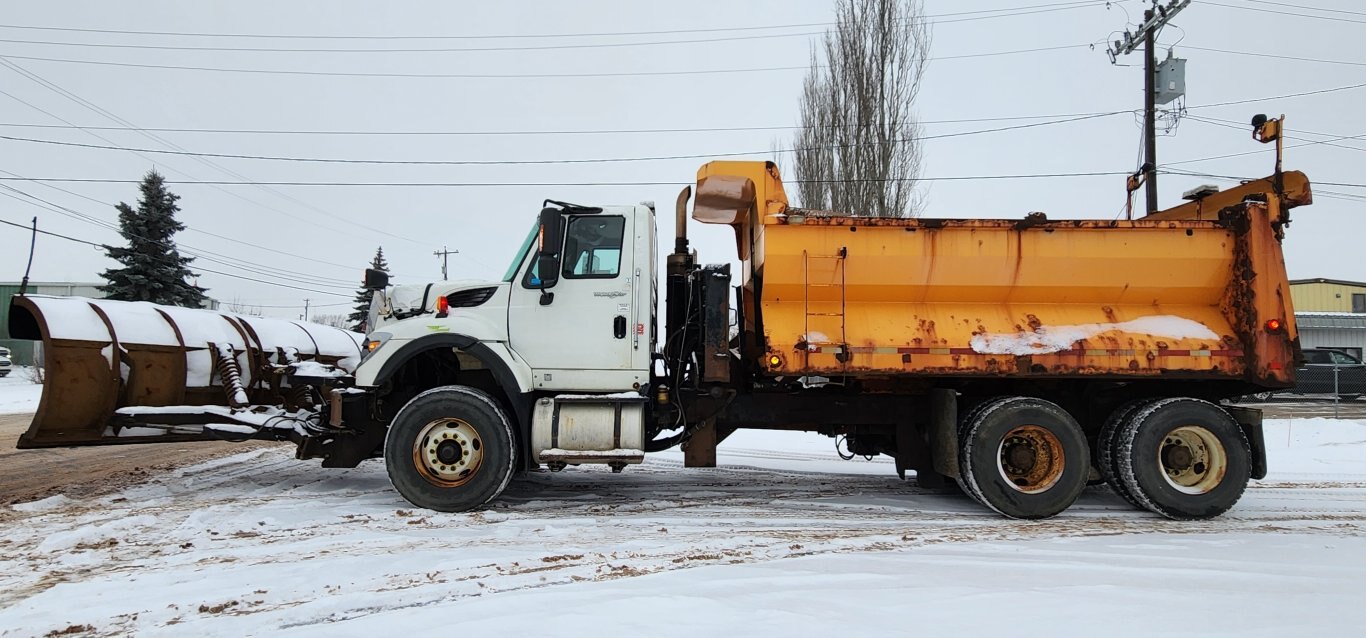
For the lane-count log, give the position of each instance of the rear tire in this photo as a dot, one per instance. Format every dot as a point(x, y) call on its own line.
point(1023, 457)
point(964, 424)
point(450, 449)
point(1184, 458)
point(1105, 448)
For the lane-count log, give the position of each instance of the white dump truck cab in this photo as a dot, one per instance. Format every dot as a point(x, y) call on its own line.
point(587, 328)
point(561, 346)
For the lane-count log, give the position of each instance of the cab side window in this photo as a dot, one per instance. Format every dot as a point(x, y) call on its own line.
point(1316, 356)
point(592, 247)
point(1342, 358)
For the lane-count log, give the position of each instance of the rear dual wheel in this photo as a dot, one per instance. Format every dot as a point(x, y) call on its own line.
point(1022, 457)
point(1183, 458)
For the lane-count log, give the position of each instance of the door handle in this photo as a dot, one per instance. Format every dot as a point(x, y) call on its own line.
point(619, 327)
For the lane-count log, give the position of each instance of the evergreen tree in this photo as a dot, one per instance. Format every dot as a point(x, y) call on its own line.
point(358, 317)
point(153, 269)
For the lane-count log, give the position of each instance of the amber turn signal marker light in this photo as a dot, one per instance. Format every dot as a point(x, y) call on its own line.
point(1273, 325)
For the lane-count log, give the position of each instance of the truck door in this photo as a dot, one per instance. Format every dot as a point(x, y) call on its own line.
point(582, 338)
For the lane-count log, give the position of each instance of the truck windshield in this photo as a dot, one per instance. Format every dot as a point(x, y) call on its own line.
point(518, 258)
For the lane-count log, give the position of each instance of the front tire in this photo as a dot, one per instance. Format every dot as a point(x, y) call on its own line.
point(1023, 457)
point(450, 449)
point(1184, 458)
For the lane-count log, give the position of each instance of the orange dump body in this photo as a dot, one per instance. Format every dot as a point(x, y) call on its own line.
point(1184, 293)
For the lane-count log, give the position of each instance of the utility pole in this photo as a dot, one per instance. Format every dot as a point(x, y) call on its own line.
point(1149, 114)
point(444, 255)
point(305, 310)
point(1153, 21)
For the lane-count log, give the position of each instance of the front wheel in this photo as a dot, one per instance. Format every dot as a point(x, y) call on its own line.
point(450, 449)
point(1183, 458)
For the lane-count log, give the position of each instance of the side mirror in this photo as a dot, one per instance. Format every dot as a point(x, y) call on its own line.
point(376, 279)
point(550, 238)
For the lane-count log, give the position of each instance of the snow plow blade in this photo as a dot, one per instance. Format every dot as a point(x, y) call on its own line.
point(99, 356)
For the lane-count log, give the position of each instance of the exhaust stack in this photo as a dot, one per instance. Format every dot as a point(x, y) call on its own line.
point(681, 221)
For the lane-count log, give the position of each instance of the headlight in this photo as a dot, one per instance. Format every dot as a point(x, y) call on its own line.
point(372, 343)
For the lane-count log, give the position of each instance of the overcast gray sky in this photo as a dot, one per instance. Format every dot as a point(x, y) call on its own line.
point(320, 237)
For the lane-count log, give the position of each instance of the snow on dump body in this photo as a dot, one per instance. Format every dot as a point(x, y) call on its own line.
point(1048, 339)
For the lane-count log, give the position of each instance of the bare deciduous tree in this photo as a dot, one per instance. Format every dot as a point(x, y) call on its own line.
point(237, 306)
point(857, 150)
point(338, 320)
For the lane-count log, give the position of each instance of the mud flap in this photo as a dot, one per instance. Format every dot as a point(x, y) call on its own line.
point(1250, 420)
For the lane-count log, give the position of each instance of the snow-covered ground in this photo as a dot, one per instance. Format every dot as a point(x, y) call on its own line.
point(783, 540)
point(18, 393)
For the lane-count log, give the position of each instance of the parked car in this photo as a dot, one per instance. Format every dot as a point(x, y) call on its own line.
point(5, 364)
point(1326, 371)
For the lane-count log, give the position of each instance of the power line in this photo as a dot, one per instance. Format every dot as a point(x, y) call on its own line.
point(1275, 56)
point(212, 234)
point(549, 47)
point(598, 160)
point(115, 118)
point(1284, 13)
point(216, 272)
point(1006, 13)
point(1280, 97)
point(425, 76)
point(197, 230)
point(1235, 125)
point(1309, 7)
point(249, 304)
point(30, 229)
point(189, 250)
point(182, 151)
point(524, 132)
point(1318, 192)
point(93, 180)
point(1236, 178)
point(500, 76)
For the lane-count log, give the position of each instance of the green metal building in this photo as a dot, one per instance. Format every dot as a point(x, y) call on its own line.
point(21, 351)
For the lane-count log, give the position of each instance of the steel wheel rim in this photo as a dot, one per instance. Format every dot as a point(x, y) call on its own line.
point(1192, 459)
point(1030, 459)
point(448, 452)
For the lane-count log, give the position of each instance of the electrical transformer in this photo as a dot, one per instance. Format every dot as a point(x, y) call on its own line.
point(1171, 79)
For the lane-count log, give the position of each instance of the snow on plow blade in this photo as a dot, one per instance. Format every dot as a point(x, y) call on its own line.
point(99, 356)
